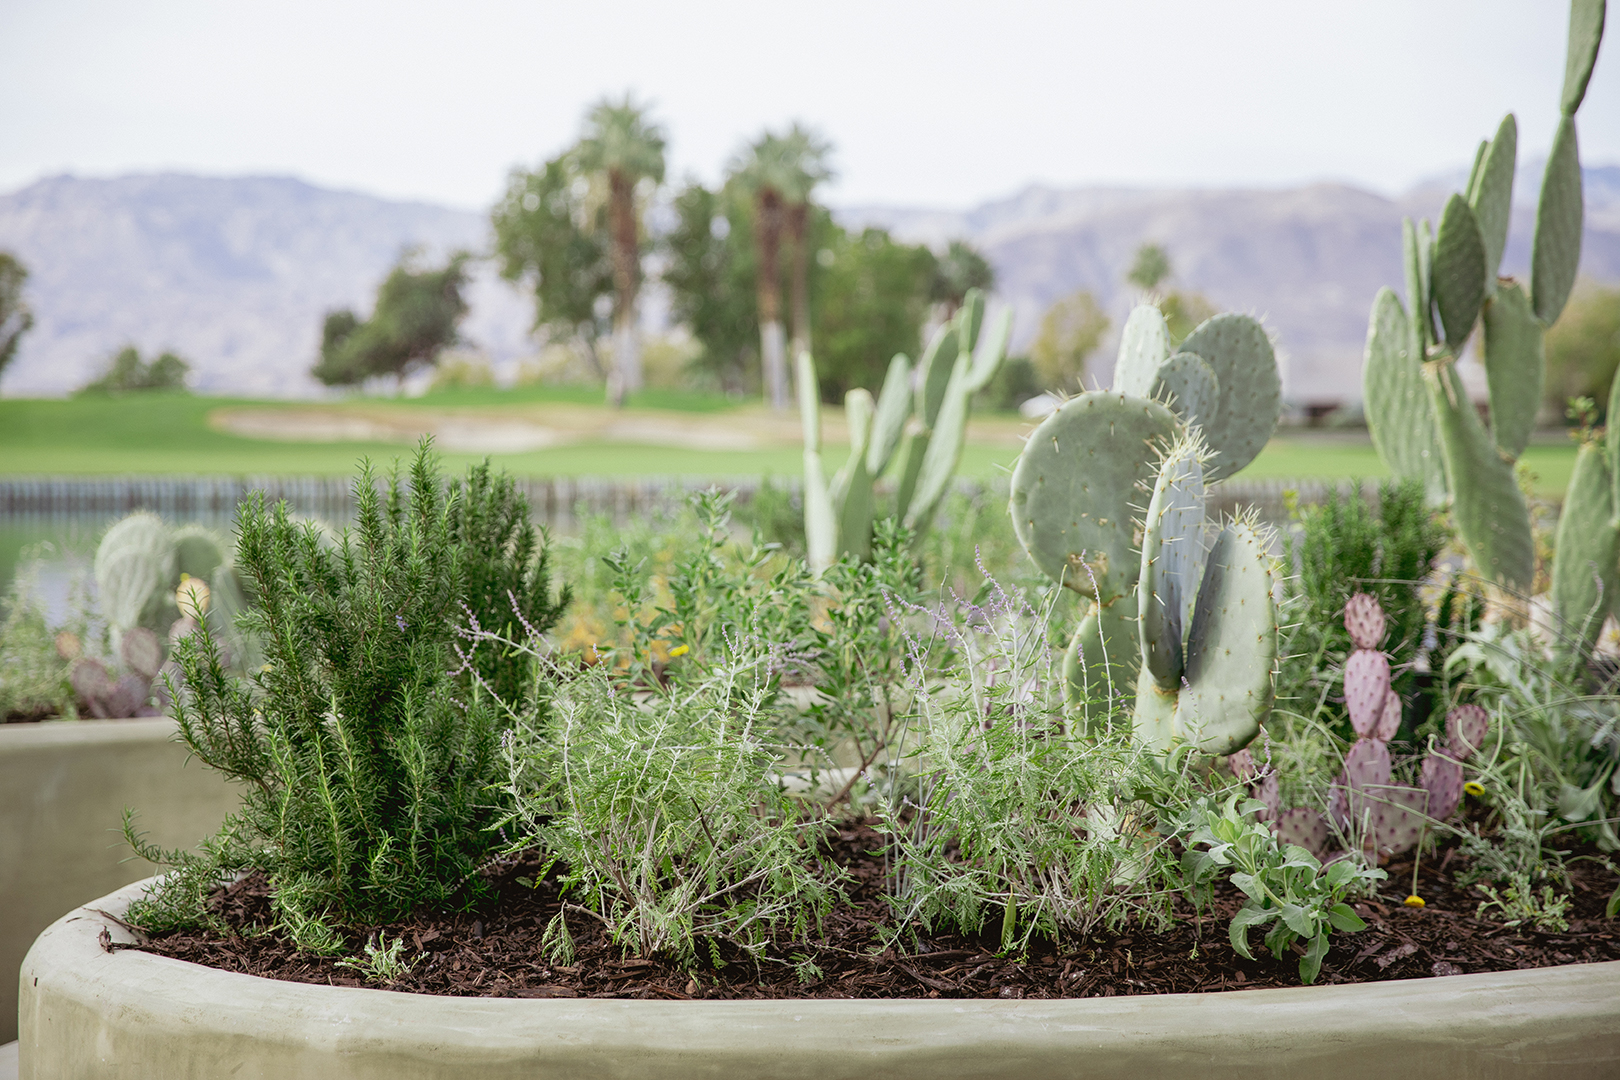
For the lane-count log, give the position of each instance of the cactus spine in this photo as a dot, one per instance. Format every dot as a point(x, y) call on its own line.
point(918, 422)
point(1452, 279)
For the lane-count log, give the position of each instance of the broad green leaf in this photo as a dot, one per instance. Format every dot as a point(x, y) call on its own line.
point(1310, 965)
point(1343, 917)
point(1298, 920)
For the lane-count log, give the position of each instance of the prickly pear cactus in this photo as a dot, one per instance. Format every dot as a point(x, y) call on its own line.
point(135, 570)
point(1239, 353)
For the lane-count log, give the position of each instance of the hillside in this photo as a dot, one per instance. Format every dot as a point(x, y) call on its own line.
point(235, 274)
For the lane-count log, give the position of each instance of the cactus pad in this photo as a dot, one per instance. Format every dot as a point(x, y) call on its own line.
point(1415, 259)
point(1366, 765)
point(135, 573)
point(1487, 505)
point(1231, 645)
point(1514, 367)
point(944, 450)
point(1586, 564)
point(1457, 278)
point(1172, 561)
point(991, 352)
point(1243, 766)
point(1398, 817)
point(1101, 664)
point(141, 652)
point(852, 487)
point(1268, 791)
point(198, 551)
point(1188, 385)
point(1389, 721)
point(1366, 689)
point(934, 372)
point(1555, 250)
point(1239, 352)
point(1302, 827)
point(1075, 483)
point(1364, 618)
point(889, 420)
point(1399, 415)
point(1466, 726)
point(1491, 195)
point(1585, 32)
point(1143, 346)
point(1443, 780)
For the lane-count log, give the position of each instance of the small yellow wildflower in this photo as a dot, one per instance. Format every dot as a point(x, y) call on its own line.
point(1414, 900)
point(679, 650)
point(1474, 788)
point(192, 596)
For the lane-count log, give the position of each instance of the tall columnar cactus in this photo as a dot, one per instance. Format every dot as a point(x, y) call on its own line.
point(1364, 802)
point(1085, 470)
point(918, 422)
point(1421, 420)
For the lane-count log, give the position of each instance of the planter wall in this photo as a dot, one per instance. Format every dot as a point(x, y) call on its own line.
point(63, 790)
point(89, 1013)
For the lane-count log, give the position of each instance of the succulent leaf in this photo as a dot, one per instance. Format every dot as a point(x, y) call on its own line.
point(1143, 346)
point(889, 421)
point(1586, 561)
point(1585, 33)
point(1188, 385)
point(1555, 251)
point(1364, 619)
point(1172, 563)
point(1443, 780)
point(1366, 689)
point(1491, 195)
point(1399, 414)
point(1238, 350)
point(1457, 279)
point(1514, 367)
point(1466, 726)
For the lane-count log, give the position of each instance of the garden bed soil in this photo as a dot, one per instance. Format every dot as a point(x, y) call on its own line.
point(495, 950)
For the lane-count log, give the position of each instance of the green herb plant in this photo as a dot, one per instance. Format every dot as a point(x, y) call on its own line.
point(1288, 890)
point(368, 778)
point(382, 961)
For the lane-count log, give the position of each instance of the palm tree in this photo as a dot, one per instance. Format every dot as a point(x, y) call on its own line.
point(805, 156)
point(622, 147)
point(765, 170)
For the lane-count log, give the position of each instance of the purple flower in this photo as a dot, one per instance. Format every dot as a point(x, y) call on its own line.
point(400, 621)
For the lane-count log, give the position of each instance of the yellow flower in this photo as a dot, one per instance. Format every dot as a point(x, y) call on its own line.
point(192, 596)
point(679, 650)
point(1474, 788)
point(1414, 900)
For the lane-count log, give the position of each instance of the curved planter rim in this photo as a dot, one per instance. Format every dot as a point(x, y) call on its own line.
point(89, 1013)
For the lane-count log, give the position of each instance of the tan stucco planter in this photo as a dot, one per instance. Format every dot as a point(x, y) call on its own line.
point(63, 790)
point(89, 1013)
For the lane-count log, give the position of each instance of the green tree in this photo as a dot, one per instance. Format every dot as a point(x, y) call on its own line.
point(127, 373)
point(548, 234)
point(415, 319)
point(961, 268)
point(709, 271)
point(872, 297)
point(1070, 331)
point(1583, 346)
point(15, 318)
point(621, 148)
point(1151, 266)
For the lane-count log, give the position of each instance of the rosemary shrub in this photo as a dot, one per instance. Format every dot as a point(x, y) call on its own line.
point(367, 781)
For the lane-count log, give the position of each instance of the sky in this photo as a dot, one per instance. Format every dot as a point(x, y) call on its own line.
point(941, 103)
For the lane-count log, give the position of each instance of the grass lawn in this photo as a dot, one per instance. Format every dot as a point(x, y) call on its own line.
point(171, 433)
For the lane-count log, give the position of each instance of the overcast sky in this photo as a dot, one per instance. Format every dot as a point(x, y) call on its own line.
point(938, 103)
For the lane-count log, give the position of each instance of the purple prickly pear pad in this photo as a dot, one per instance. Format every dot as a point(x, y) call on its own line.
point(1398, 817)
point(1389, 721)
point(1366, 689)
point(1365, 621)
point(1303, 827)
point(1466, 726)
point(1443, 780)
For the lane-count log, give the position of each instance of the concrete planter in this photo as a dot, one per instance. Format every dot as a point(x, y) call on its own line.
point(89, 1013)
point(63, 790)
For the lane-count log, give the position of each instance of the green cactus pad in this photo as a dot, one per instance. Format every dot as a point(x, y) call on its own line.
point(1611, 438)
point(1477, 171)
point(135, 571)
point(1514, 366)
point(198, 551)
point(1238, 350)
point(820, 523)
point(1417, 285)
point(1153, 719)
point(991, 352)
point(937, 365)
point(1486, 503)
point(1100, 667)
point(1172, 562)
point(1232, 645)
point(1555, 252)
point(893, 406)
point(943, 451)
point(1585, 33)
point(1399, 414)
point(1143, 346)
point(1457, 277)
point(913, 446)
point(852, 487)
point(1188, 385)
point(1075, 484)
point(1491, 196)
point(969, 319)
point(1586, 566)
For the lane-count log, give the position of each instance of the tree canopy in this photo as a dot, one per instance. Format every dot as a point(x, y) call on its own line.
point(1583, 346)
point(417, 312)
point(1070, 331)
point(15, 318)
point(128, 373)
point(961, 268)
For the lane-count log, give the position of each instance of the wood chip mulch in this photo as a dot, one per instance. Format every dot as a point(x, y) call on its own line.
point(494, 951)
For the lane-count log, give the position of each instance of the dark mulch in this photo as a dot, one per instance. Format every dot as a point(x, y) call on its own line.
point(495, 951)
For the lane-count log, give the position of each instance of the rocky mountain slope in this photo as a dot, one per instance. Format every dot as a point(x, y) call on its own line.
point(235, 274)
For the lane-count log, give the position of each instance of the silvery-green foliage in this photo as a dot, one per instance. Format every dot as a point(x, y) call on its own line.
point(664, 814)
point(1014, 817)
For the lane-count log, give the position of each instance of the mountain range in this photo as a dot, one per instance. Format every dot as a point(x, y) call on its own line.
point(235, 274)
